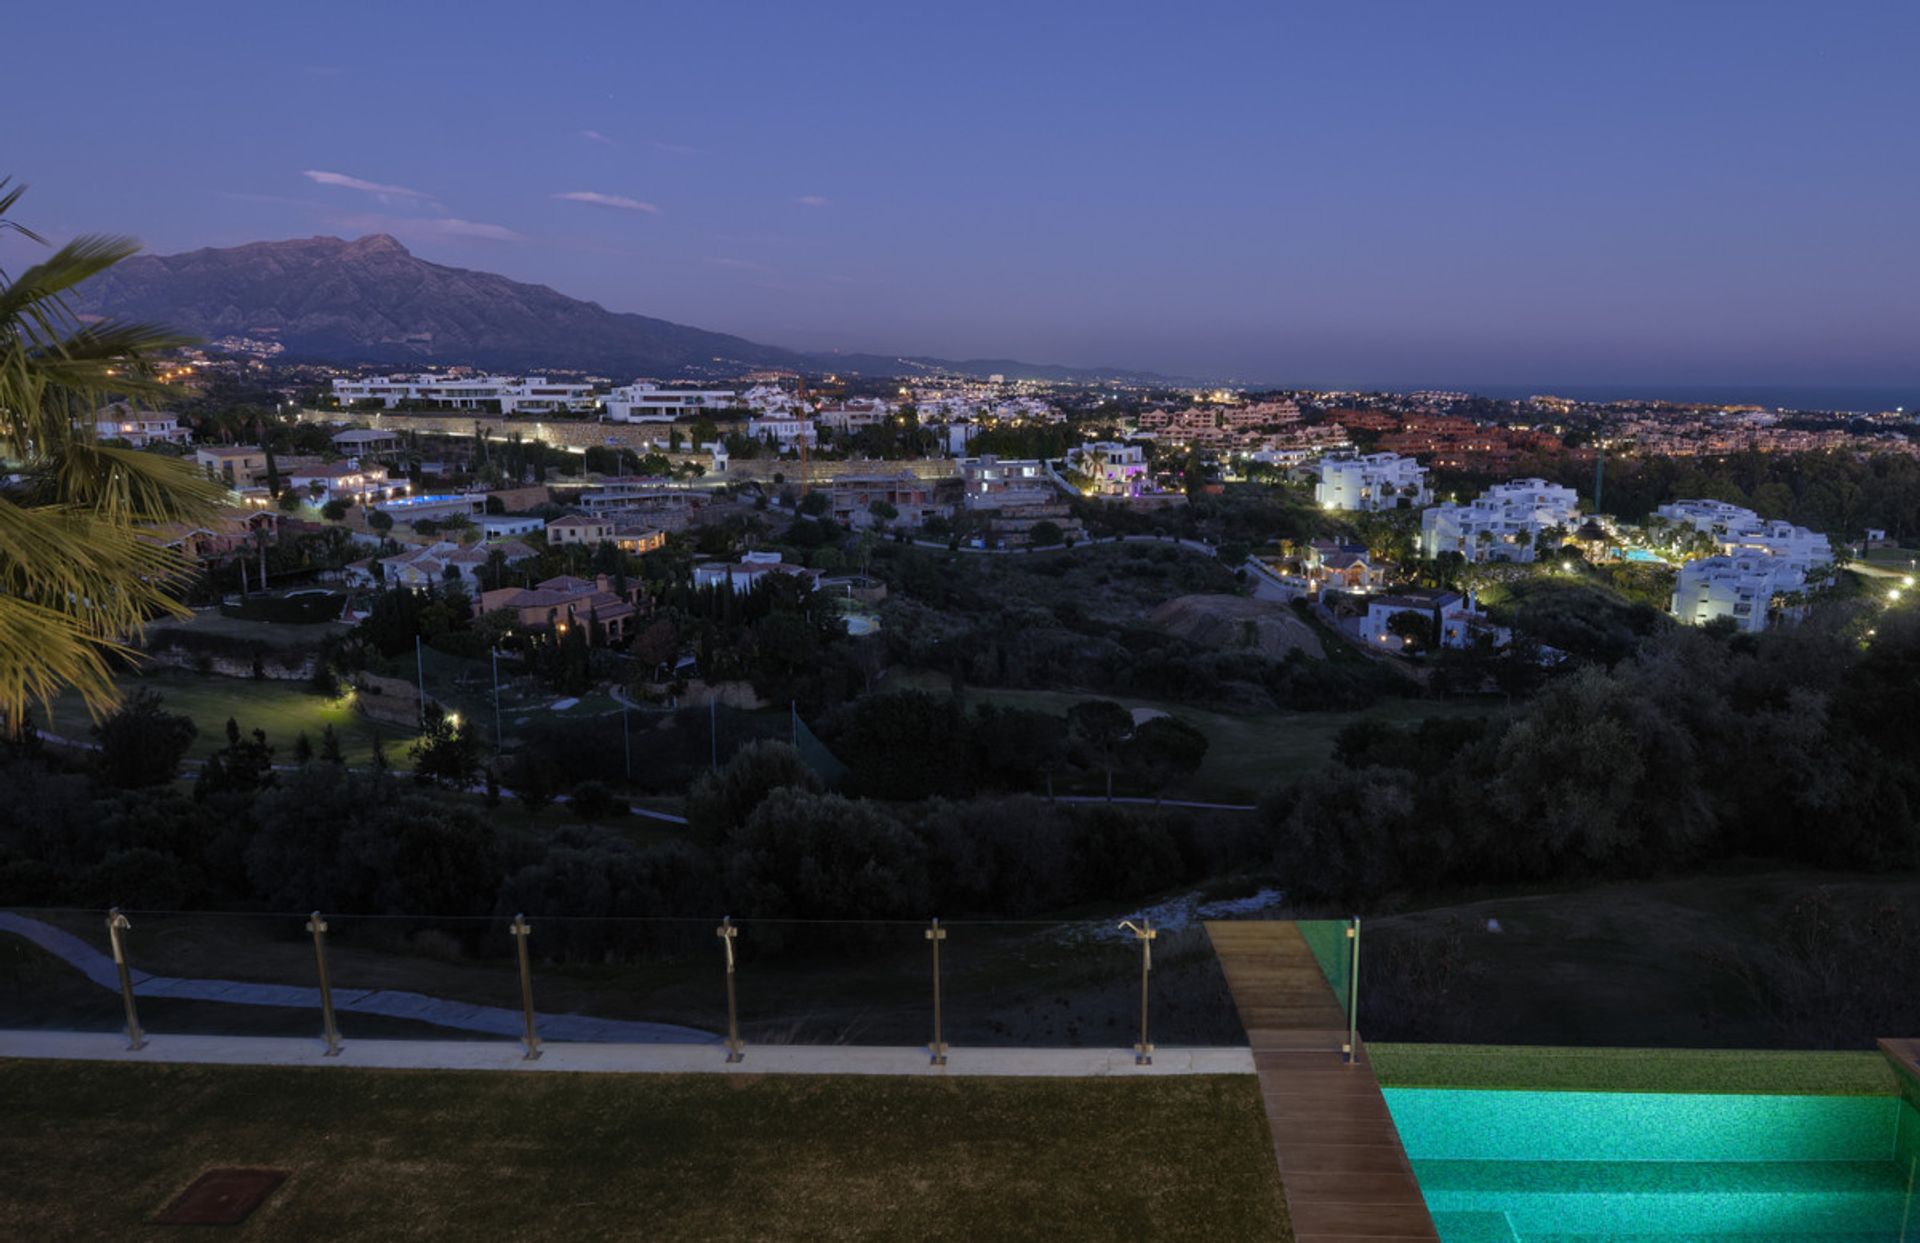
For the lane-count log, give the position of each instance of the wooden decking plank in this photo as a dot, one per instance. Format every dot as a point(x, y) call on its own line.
point(1342, 1167)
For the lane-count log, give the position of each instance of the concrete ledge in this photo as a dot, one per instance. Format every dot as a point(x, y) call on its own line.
point(676, 1059)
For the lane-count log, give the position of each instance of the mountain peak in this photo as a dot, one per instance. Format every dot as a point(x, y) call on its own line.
point(371, 300)
point(377, 243)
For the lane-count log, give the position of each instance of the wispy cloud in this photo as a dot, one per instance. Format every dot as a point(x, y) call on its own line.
point(379, 189)
point(594, 135)
point(740, 265)
point(450, 226)
point(598, 199)
point(813, 200)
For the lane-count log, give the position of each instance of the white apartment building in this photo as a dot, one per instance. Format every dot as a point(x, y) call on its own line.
point(642, 403)
point(1738, 587)
point(852, 416)
point(1502, 524)
point(512, 394)
point(138, 428)
point(769, 399)
point(784, 430)
point(1739, 531)
point(1371, 481)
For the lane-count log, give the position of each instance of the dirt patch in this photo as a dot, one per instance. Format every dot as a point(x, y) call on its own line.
point(1232, 623)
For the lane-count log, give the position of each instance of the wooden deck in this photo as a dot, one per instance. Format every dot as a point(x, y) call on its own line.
point(1346, 1177)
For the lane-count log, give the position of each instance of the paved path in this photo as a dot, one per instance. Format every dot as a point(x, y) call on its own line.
point(1344, 1172)
point(650, 1058)
point(438, 1011)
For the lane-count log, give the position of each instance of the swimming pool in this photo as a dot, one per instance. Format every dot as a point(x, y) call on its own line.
point(1638, 554)
point(1604, 1167)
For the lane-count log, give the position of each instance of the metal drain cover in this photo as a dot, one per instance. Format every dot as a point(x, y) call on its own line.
point(221, 1197)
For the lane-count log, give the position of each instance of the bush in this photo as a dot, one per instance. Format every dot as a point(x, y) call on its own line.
point(593, 801)
point(802, 855)
point(720, 802)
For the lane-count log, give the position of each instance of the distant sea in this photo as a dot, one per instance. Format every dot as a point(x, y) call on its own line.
point(1849, 400)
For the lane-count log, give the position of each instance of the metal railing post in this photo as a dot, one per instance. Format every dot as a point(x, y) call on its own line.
point(1353, 990)
point(938, 1049)
point(727, 932)
point(116, 924)
point(329, 1031)
point(521, 931)
point(1144, 932)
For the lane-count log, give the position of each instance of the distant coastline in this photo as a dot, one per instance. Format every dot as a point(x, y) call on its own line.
point(1865, 400)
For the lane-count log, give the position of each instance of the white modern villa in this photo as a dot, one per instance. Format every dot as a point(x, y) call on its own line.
point(1372, 481)
point(643, 403)
point(511, 394)
point(1502, 524)
point(139, 428)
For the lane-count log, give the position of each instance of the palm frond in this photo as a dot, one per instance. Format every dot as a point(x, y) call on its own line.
point(40, 656)
point(85, 537)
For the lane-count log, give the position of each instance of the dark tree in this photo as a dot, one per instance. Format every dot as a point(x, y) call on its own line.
point(142, 744)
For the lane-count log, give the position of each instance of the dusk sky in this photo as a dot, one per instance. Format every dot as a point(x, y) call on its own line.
point(1534, 194)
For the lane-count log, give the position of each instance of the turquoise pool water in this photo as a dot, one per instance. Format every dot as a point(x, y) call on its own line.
point(1622, 1167)
point(1637, 554)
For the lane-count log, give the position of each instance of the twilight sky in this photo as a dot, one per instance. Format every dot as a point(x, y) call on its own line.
point(1690, 192)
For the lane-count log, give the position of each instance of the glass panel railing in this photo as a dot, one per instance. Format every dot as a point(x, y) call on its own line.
point(1001, 983)
point(1332, 949)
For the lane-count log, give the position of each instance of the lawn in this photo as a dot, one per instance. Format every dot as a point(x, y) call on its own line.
point(1541, 1068)
point(1247, 753)
point(283, 709)
point(94, 1150)
point(1893, 557)
point(1740, 960)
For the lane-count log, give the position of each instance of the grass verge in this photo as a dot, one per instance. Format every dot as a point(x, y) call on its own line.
point(1543, 1068)
point(93, 1150)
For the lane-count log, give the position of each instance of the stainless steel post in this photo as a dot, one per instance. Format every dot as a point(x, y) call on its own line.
point(116, 924)
point(727, 932)
point(935, 935)
point(329, 1031)
point(1143, 932)
point(1353, 990)
point(521, 931)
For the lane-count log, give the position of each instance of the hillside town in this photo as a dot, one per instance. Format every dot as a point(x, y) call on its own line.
point(437, 477)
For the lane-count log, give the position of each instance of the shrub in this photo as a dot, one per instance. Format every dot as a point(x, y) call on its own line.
point(593, 801)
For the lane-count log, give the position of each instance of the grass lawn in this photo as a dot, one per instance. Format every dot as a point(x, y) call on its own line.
point(283, 709)
point(1719, 961)
point(1538, 1068)
point(1247, 753)
point(94, 1150)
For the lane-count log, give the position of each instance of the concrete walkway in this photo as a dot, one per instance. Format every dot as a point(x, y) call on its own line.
point(440, 1012)
point(650, 1058)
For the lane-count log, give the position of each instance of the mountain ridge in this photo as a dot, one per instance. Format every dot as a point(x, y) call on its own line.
point(371, 300)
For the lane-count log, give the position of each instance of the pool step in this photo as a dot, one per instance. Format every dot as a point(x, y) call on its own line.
point(1591, 1201)
point(1474, 1228)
